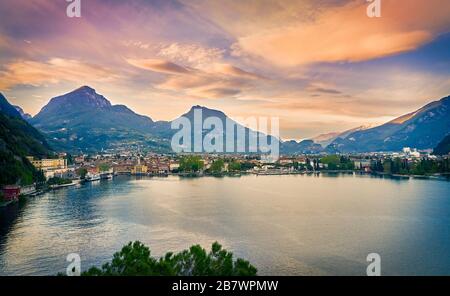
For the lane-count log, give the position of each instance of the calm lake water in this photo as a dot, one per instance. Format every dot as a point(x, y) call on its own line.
point(284, 225)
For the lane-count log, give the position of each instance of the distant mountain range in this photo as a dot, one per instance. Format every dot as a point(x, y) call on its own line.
point(302, 147)
point(84, 120)
point(421, 129)
point(18, 139)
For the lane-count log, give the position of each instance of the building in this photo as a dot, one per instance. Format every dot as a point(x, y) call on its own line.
point(69, 173)
point(174, 166)
point(285, 160)
point(123, 169)
point(139, 169)
point(50, 167)
point(48, 164)
point(79, 159)
point(362, 164)
point(411, 152)
point(11, 192)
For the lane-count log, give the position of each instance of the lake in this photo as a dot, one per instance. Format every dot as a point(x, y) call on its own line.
point(284, 225)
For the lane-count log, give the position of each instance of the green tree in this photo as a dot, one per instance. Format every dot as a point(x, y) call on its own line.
point(58, 181)
point(387, 166)
point(103, 167)
point(217, 166)
point(191, 163)
point(245, 166)
point(69, 158)
point(376, 166)
point(135, 260)
point(234, 166)
point(332, 161)
point(82, 172)
point(346, 163)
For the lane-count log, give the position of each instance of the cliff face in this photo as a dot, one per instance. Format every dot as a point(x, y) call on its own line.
point(18, 139)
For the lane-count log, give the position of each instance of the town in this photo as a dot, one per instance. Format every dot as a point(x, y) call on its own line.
point(66, 170)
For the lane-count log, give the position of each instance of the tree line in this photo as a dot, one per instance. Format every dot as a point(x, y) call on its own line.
point(135, 260)
point(424, 166)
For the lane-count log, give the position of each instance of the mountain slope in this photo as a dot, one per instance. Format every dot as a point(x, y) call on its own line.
point(422, 129)
point(6, 108)
point(326, 139)
point(18, 139)
point(443, 148)
point(24, 115)
point(245, 144)
point(302, 147)
point(85, 120)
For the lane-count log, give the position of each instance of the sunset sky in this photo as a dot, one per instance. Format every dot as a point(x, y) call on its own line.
point(320, 66)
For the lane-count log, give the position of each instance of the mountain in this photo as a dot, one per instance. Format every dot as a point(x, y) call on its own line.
point(6, 108)
point(302, 147)
point(326, 139)
point(443, 148)
point(24, 115)
point(18, 139)
point(84, 120)
point(246, 144)
point(421, 129)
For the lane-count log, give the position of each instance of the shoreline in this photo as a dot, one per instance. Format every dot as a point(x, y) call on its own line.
point(275, 173)
point(443, 177)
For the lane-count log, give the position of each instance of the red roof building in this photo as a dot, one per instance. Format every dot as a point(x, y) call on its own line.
point(11, 192)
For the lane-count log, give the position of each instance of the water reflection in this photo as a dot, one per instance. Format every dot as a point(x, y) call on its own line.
point(302, 225)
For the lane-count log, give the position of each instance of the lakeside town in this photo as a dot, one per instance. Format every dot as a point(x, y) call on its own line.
point(65, 170)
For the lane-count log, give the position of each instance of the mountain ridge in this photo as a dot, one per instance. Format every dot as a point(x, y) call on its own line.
point(85, 120)
point(421, 129)
point(22, 113)
point(328, 138)
point(7, 108)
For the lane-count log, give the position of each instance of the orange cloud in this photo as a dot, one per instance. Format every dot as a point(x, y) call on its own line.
point(228, 69)
point(157, 65)
point(193, 55)
point(205, 85)
point(53, 71)
point(216, 81)
point(283, 34)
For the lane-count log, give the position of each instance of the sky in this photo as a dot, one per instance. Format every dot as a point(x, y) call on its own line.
point(320, 66)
